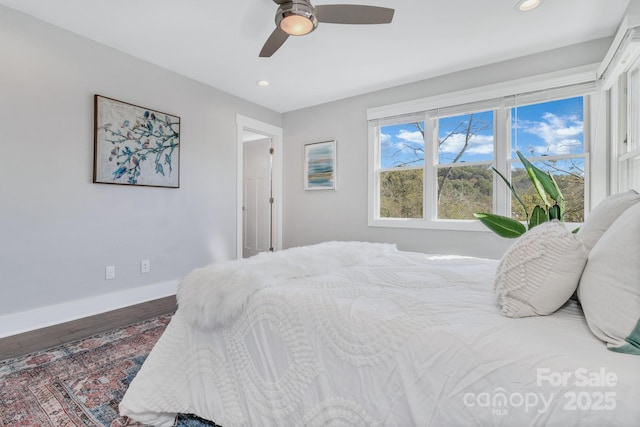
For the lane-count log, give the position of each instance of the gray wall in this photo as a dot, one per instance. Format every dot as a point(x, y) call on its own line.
point(58, 230)
point(311, 217)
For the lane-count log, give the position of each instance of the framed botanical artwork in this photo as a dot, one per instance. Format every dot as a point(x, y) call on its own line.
point(320, 166)
point(135, 145)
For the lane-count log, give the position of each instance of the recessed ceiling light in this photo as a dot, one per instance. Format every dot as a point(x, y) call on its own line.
point(527, 5)
point(263, 83)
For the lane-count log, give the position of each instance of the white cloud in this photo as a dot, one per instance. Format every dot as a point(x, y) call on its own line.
point(403, 147)
point(561, 134)
point(479, 144)
point(407, 145)
point(406, 142)
point(414, 137)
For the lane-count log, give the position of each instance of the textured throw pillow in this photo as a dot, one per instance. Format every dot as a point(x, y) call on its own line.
point(609, 289)
point(540, 271)
point(603, 215)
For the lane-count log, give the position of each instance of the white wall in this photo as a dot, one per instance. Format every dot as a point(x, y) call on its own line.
point(311, 217)
point(58, 230)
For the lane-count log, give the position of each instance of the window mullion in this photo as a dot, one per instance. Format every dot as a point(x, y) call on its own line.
point(502, 154)
point(430, 178)
point(618, 130)
point(374, 174)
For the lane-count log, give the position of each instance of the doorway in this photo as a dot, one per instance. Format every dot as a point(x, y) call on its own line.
point(259, 209)
point(257, 194)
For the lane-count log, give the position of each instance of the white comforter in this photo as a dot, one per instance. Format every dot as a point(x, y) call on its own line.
point(382, 338)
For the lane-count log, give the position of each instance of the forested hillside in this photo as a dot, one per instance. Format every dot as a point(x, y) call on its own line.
point(468, 189)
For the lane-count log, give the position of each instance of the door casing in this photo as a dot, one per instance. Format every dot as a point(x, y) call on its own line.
point(275, 133)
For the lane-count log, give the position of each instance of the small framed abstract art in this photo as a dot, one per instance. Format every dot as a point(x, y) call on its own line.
point(320, 166)
point(135, 145)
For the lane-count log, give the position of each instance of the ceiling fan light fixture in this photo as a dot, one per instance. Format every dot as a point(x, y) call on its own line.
point(299, 17)
point(296, 18)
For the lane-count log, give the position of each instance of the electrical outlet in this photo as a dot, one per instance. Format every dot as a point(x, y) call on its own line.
point(145, 266)
point(110, 272)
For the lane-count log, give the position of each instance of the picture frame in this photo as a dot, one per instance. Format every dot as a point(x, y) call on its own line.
point(320, 165)
point(135, 145)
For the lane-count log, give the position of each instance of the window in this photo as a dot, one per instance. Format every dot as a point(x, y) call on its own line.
point(401, 171)
point(433, 168)
point(465, 154)
point(628, 149)
point(551, 136)
point(620, 77)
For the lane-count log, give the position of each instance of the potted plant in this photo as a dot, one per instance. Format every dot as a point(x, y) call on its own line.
point(551, 208)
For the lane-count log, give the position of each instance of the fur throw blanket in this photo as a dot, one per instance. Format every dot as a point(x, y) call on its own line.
point(213, 295)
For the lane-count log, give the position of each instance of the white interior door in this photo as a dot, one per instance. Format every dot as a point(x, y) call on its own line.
point(257, 196)
point(249, 129)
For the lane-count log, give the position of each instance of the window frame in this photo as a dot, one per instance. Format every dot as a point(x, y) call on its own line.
point(433, 166)
point(616, 72)
point(580, 81)
point(629, 152)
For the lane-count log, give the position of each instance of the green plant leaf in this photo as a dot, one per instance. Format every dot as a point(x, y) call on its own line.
point(513, 191)
point(547, 189)
point(560, 199)
point(541, 181)
point(538, 216)
point(501, 225)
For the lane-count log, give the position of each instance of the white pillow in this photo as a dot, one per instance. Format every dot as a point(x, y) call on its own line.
point(603, 215)
point(540, 271)
point(609, 289)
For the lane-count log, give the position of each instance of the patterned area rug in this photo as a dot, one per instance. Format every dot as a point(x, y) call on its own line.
point(81, 383)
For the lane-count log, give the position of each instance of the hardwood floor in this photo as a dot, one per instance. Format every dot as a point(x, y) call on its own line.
point(45, 338)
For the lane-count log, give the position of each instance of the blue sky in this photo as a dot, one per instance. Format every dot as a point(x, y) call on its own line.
point(550, 128)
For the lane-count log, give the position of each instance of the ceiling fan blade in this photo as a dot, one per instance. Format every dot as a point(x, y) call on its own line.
point(273, 43)
point(353, 14)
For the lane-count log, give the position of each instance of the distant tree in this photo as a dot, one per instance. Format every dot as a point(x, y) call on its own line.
point(468, 128)
point(401, 194)
point(461, 201)
point(465, 190)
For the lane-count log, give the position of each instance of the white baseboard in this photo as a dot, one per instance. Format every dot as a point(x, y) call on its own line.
point(24, 321)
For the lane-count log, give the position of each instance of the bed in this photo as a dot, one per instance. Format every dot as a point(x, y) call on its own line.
point(363, 334)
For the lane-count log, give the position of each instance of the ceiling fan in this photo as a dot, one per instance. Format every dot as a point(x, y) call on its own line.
point(299, 17)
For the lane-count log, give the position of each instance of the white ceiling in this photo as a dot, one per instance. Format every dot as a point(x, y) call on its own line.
point(217, 42)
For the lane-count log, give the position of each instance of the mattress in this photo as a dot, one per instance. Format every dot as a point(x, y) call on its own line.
point(392, 339)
